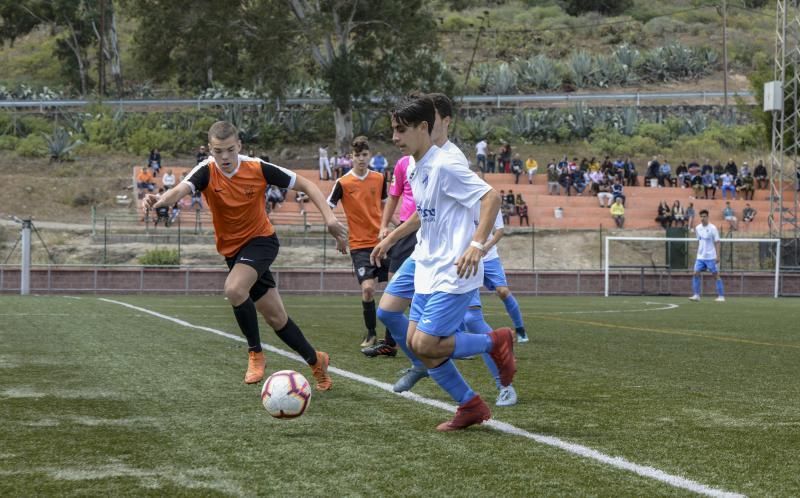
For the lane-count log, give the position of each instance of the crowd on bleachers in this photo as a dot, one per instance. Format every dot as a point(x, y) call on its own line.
point(730, 180)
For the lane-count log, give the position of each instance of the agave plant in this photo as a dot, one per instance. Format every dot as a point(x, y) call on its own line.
point(696, 123)
point(474, 129)
point(581, 120)
point(60, 143)
point(630, 120)
point(581, 68)
point(539, 72)
point(505, 80)
point(297, 123)
point(609, 71)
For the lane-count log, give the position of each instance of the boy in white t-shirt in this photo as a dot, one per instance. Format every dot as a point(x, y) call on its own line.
point(707, 256)
point(448, 260)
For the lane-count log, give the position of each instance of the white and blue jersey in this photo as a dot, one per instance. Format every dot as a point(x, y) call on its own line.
point(707, 236)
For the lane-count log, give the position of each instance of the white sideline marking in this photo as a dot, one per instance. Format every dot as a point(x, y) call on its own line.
point(577, 449)
point(667, 306)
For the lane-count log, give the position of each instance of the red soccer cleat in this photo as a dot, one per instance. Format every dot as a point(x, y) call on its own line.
point(474, 411)
point(503, 354)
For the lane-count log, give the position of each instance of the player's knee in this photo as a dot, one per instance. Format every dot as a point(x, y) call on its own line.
point(235, 294)
point(503, 292)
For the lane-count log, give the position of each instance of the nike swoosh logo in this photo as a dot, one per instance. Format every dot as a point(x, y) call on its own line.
point(218, 190)
point(426, 321)
point(245, 259)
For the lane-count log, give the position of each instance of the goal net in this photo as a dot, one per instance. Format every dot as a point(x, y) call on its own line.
point(664, 266)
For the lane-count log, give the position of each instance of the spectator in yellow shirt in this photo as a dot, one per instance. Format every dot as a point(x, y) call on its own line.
point(618, 213)
point(531, 166)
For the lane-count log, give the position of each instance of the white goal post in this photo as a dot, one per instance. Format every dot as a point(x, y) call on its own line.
point(608, 240)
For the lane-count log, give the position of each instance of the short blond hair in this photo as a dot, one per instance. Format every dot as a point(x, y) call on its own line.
point(222, 130)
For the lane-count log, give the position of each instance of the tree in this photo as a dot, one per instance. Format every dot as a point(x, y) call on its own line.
point(359, 45)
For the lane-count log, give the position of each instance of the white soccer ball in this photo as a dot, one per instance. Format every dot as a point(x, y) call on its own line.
point(286, 394)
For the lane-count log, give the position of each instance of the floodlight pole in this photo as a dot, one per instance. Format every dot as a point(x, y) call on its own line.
point(25, 275)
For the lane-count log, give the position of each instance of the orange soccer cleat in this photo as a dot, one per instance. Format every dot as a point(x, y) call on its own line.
point(320, 372)
point(255, 367)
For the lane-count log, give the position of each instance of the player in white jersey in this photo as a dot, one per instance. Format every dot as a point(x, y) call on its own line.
point(707, 256)
point(448, 259)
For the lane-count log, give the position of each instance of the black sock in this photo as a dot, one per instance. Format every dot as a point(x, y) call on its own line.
point(293, 337)
point(247, 318)
point(388, 339)
point(370, 320)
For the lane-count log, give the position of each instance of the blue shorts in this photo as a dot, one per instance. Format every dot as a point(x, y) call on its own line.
point(402, 283)
point(439, 314)
point(705, 264)
point(494, 275)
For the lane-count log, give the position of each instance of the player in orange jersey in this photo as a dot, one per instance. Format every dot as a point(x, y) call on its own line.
point(234, 187)
point(362, 193)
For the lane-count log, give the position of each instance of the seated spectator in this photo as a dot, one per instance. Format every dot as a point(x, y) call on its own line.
point(707, 168)
point(595, 179)
point(506, 209)
point(665, 175)
point(718, 171)
point(664, 216)
point(618, 213)
point(616, 191)
point(748, 213)
point(518, 201)
point(631, 175)
point(510, 198)
point(678, 214)
point(728, 215)
point(746, 185)
point(523, 214)
point(696, 182)
point(604, 196)
point(682, 175)
point(653, 172)
point(745, 170)
point(162, 213)
point(709, 183)
point(618, 169)
point(578, 181)
point(154, 161)
point(552, 179)
point(690, 216)
point(274, 198)
point(760, 175)
point(516, 167)
point(728, 185)
point(565, 180)
point(144, 181)
point(168, 180)
point(530, 167)
point(202, 155)
point(731, 168)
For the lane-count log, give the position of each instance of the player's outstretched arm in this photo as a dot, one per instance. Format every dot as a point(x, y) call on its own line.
point(496, 236)
point(169, 198)
point(335, 228)
point(382, 249)
point(468, 264)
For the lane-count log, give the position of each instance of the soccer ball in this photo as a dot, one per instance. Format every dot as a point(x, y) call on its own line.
point(286, 394)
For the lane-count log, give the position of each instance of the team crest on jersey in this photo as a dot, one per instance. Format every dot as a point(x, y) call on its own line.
point(249, 191)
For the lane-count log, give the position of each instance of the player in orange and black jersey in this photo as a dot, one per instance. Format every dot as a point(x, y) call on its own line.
point(234, 187)
point(362, 193)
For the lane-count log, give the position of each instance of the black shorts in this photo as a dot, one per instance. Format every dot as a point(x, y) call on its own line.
point(401, 251)
point(364, 268)
point(258, 253)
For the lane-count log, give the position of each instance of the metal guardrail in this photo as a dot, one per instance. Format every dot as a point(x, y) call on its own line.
point(497, 100)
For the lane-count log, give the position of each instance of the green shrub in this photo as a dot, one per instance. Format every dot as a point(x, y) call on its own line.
point(160, 256)
point(660, 133)
point(33, 125)
point(32, 146)
point(7, 142)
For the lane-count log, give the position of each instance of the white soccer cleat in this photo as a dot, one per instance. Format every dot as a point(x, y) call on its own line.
point(720, 299)
point(694, 298)
point(507, 397)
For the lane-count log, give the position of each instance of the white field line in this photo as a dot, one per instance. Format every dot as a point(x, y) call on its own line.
point(666, 306)
point(577, 449)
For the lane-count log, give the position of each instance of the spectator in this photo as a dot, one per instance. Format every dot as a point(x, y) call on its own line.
point(616, 191)
point(665, 175)
point(618, 213)
point(604, 196)
point(631, 175)
point(709, 183)
point(578, 181)
point(552, 179)
point(664, 216)
point(718, 171)
point(346, 163)
point(748, 213)
point(731, 168)
point(653, 172)
point(154, 161)
point(168, 181)
point(565, 180)
point(760, 175)
point(730, 217)
point(324, 163)
point(523, 213)
point(745, 170)
point(690, 216)
point(746, 184)
point(707, 168)
point(274, 198)
point(491, 161)
point(480, 154)
point(682, 175)
point(678, 214)
point(162, 212)
point(378, 163)
point(594, 164)
point(516, 167)
point(510, 197)
point(696, 182)
point(619, 170)
point(505, 210)
point(202, 155)
point(144, 181)
point(505, 158)
point(728, 185)
point(518, 201)
point(531, 166)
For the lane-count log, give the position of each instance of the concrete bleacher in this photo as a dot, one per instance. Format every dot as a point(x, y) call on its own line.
point(579, 212)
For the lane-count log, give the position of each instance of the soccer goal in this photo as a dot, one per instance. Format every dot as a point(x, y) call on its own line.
point(664, 266)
